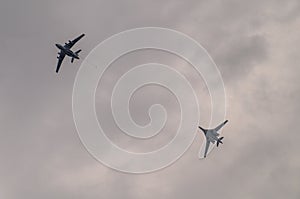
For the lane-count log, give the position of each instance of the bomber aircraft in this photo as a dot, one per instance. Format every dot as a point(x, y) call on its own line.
point(212, 136)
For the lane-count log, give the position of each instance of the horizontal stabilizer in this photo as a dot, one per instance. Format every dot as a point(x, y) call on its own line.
point(220, 141)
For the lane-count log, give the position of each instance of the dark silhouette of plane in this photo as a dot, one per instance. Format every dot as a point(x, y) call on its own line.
point(66, 50)
point(212, 135)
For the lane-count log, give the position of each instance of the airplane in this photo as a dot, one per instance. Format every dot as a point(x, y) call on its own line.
point(66, 50)
point(212, 136)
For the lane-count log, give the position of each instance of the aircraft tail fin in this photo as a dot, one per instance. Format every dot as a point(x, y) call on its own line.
point(220, 141)
point(77, 52)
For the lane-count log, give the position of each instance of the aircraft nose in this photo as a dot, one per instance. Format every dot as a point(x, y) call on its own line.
point(57, 45)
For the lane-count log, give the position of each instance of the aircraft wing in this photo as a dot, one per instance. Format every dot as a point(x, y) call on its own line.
point(71, 43)
point(206, 147)
point(221, 125)
point(60, 59)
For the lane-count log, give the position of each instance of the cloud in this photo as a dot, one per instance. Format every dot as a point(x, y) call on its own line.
point(255, 44)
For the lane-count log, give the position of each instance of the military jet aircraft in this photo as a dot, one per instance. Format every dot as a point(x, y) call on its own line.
point(212, 135)
point(66, 50)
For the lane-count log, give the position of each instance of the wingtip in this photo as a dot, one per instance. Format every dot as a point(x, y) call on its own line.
point(201, 128)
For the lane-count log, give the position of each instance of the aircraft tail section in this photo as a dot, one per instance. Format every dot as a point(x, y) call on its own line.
point(220, 141)
point(76, 53)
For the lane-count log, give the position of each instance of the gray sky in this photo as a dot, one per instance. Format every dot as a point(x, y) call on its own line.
point(255, 45)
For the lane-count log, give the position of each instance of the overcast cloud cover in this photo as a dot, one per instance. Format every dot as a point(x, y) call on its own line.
point(256, 46)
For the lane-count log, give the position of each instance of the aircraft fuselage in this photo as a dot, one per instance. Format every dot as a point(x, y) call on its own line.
point(67, 51)
point(212, 136)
